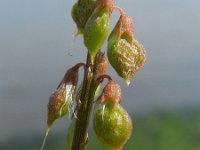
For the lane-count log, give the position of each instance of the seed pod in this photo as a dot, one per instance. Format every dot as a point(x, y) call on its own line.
point(125, 54)
point(61, 100)
point(112, 125)
point(112, 92)
point(97, 26)
point(81, 11)
point(111, 122)
point(59, 103)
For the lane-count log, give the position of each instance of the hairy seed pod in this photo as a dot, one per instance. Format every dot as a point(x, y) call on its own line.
point(125, 54)
point(61, 100)
point(97, 26)
point(112, 92)
point(59, 103)
point(81, 11)
point(112, 125)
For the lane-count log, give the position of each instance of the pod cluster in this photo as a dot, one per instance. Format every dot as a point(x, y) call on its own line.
point(111, 122)
point(125, 54)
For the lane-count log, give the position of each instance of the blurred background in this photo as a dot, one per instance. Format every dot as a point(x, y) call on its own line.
point(37, 46)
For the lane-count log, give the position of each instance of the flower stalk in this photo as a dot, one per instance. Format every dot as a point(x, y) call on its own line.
point(112, 123)
point(86, 101)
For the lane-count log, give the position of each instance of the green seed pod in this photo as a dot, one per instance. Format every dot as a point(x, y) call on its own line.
point(97, 27)
point(125, 54)
point(112, 125)
point(81, 11)
point(111, 122)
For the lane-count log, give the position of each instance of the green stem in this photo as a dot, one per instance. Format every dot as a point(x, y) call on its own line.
point(84, 111)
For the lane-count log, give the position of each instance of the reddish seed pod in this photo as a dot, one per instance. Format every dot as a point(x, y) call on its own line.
point(124, 29)
point(59, 104)
point(61, 100)
point(112, 92)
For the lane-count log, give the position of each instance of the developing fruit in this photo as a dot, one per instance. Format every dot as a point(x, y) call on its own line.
point(81, 11)
point(125, 54)
point(61, 100)
point(112, 92)
point(111, 122)
point(59, 103)
point(112, 125)
point(97, 26)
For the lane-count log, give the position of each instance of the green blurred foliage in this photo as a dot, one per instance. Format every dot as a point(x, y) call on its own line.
point(153, 131)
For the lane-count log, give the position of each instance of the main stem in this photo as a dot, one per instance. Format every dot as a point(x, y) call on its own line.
point(80, 137)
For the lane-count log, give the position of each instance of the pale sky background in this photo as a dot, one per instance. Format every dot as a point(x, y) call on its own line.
point(36, 37)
